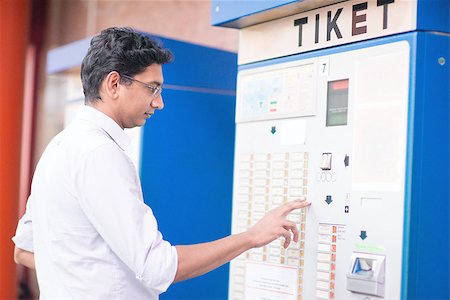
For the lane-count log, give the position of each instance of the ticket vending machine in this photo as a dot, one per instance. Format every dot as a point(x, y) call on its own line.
point(346, 104)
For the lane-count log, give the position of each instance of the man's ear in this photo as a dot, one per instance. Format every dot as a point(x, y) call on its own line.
point(111, 85)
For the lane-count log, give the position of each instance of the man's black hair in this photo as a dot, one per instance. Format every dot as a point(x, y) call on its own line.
point(118, 49)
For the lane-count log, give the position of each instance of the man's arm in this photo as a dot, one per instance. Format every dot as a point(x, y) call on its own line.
point(23, 257)
point(195, 260)
point(23, 239)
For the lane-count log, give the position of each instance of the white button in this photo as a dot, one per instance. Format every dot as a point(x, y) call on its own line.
point(260, 166)
point(278, 174)
point(245, 156)
point(322, 294)
point(259, 182)
point(293, 253)
point(244, 174)
point(324, 257)
point(261, 156)
point(274, 259)
point(256, 257)
point(323, 247)
point(243, 190)
point(325, 228)
point(242, 214)
point(323, 285)
point(277, 182)
point(295, 192)
point(239, 271)
point(239, 279)
point(323, 266)
point(324, 238)
point(260, 191)
point(238, 263)
point(239, 287)
point(277, 199)
point(259, 207)
point(297, 173)
point(278, 156)
point(244, 166)
point(278, 165)
point(297, 165)
point(326, 161)
point(259, 199)
point(297, 156)
point(260, 174)
point(323, 275)
point(242, 222)
point(277, 191)
point(275, 250)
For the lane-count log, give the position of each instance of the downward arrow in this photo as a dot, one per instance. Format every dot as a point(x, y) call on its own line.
point(273, 130)
point(328, 200)
point(363, 235)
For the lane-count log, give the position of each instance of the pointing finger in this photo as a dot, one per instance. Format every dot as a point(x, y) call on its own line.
point(290, 206)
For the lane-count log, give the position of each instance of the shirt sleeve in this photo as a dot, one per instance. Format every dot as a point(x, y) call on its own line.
point(23, 238)
point(112, 200)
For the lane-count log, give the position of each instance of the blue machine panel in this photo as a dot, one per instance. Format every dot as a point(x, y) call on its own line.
point(428, 249)
point(200, 67)
point(433, 15)
point(225, 11)
point(187, 157)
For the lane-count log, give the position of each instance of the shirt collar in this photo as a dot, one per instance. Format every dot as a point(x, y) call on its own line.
point(103, 121)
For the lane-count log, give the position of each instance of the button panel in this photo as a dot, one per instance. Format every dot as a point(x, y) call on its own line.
point(266, 180)
point(326, 259)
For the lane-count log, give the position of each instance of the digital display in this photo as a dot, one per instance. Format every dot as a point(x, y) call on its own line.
point(337, 102)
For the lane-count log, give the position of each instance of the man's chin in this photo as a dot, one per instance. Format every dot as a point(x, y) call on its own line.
point(140, 124)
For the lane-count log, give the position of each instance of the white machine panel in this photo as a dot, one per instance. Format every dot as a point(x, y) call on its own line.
point(333, 129)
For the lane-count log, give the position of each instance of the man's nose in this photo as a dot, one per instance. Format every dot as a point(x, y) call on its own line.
point(158, 102)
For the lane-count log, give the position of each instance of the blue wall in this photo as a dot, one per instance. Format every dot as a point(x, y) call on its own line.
point(187, 157)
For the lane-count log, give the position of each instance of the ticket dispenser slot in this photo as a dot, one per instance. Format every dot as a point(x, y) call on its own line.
point(366, 274)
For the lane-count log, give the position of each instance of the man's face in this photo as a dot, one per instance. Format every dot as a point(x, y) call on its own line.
point(137, 102)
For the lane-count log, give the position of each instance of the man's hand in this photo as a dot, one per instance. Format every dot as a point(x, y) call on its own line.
point(275, 224)
point(194, 260)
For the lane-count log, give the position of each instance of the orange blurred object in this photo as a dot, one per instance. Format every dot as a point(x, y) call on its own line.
point(14, 26)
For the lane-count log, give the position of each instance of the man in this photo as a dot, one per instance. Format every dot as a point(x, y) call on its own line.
point(86, 229)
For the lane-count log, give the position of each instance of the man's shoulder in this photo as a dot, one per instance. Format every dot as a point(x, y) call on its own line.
point(83, 138)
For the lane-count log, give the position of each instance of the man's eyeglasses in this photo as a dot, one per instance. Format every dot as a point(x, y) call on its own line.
point(155, 90)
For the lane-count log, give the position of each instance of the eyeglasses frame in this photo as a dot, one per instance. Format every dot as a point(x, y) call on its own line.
point(156, 90)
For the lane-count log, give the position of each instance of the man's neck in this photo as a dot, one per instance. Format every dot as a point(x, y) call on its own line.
point(102, 107)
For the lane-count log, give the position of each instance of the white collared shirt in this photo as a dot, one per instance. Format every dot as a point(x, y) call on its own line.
point(92, 235)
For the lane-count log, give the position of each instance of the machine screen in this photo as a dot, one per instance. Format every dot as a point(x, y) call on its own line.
point(337, 102)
